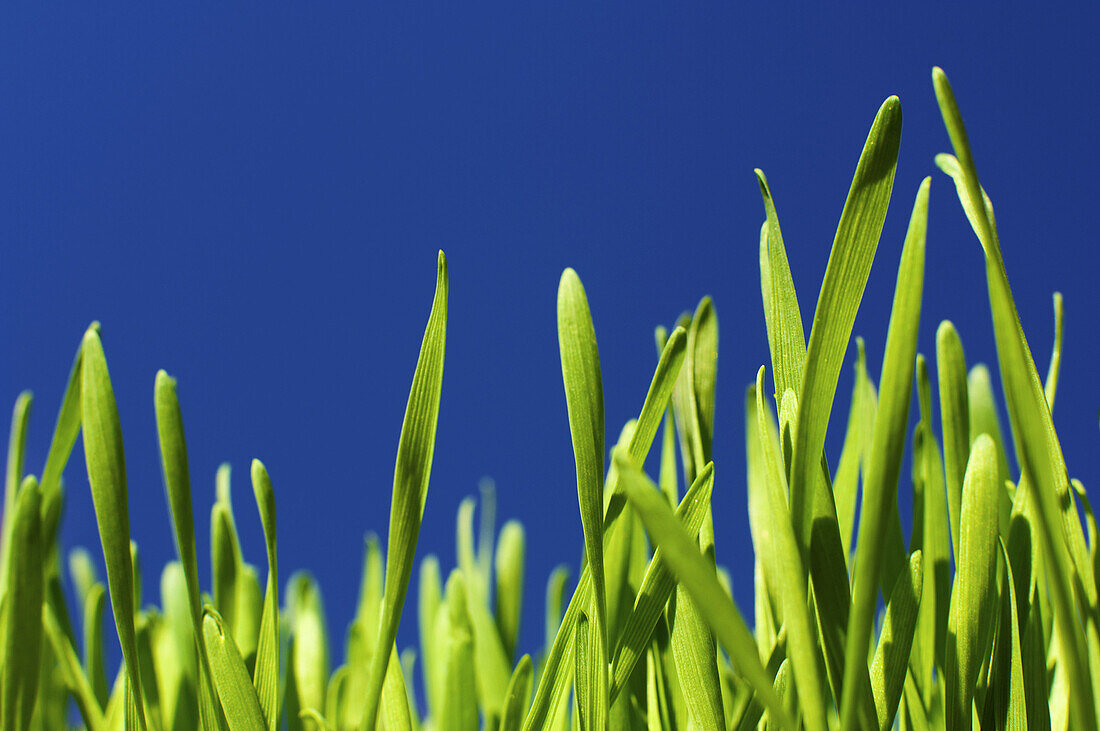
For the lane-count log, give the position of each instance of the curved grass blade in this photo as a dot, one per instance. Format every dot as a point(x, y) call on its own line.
point(887, 449)
point(555, 679)
point(106, 463)
point(591, 712)
point(395, 712)
point(234, 687)
point(1011, 695)
point(891, 662)
point(410, 486)
point(697, 574)
point(509, 581)
point(518, 695)
point(789, 579)
point(73, 677)
point(1037, 449)
point(857, 446)
point(812, 509)
point(580, 368)
point(13, 476)
point(1050, 386)
point(974, 593)
point(68, 425)
point(955, 415)
point(695, 653)
point(458, 708)
point(22, 612)
point(266, 677)
point(308, 654)
point(429, 601)
point(657, 587)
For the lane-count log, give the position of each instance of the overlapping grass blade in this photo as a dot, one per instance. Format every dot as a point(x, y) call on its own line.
point(395, 712)
point(856, 449)
point(307, 659)
point(76, 682)
point(266, 676)
point(106, 465)
point(13, 476)
point(955, 416)
point(509, 584)
point(1050, 385)
point(238, 697)
point(518, 695)
point(1037, 448)
point(591, 710)
point(22, 610)
point(697, 574)
point(410, 485)
point(891, 661)
point(458, 705)
point(887, 448)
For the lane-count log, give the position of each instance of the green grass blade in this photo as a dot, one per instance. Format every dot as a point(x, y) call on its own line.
point(518, 695)
point(234, 687)
point(395, 698)
point(429, 601)
point(458, 708)
point(974, 594)
point(1012, 697)
point(580, 368)
point(887, 449)
point(1050, 385)
point(509, 584)
point(857, 444)
point(891, 662)
point(266, 676)
point(1036, 445)
point(697, 574)
point(22, 612)
point(790, 578)
point(955, 415)
point(410, 485)
point(13, 476)
point(812, 507)
point(786, 338)
point(591, 712)
point(106, 464)
point(67, 427)
point(308, 655)
point(657, 586)
point(984, 418)
point(68, 665)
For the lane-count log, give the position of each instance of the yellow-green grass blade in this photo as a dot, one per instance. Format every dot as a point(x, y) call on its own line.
point(891, 661)
point(307, 659)
point(703, 349)
point(1011, 697)
point(812, 508)
point(580, 369)
point(266, 676)
point(458, 707)
point(518, 695)
point(429, 601)
point(974, 595)
point(106, 464)
point(1037, 448)
point(955, 416)
point(238, 697)
point(789, 578)
point(509, 584)
point(786, 338)
point(412, 470)
point(395, 712)
point(73, 677)
point(22, 612)
point(887, 449)
point(1050, 385)
point(554, 680)
point(94, 606)
point(695, 653)
point(769, 604)
point(657, 586)
point(225, 559)
point(67, 427)
point(555, 596)
point(13, 476)
point(177, 485)
point(854, 453)
point(591, 710)
point(984, 418)
point(696, 573)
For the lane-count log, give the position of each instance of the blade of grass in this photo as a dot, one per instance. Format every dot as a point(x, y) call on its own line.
point(22, 613)
point(410, 485)
point(13, 476)
point(72, 673)
point(854, 453)
point(591, 713)
point(266, 677)
point(1050, 386)
point(887, 449)
point(395, 698)
point(509, 584)
point(106, 464)
point(891, 661)
point(955, 415)
point(234, 687)
point(518, 695)
point(697, 574)
point(458, 709)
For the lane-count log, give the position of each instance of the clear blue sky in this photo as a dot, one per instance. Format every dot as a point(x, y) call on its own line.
point(252, 199)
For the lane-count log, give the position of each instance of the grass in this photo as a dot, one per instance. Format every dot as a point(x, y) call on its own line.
point(986, 616)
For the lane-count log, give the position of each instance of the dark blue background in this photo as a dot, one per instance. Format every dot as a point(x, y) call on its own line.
point(253, 198)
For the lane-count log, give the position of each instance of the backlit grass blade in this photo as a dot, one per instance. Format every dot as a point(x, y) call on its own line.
point(518, 695)
point(554, 681)
point(13, 476)
point(177, 485)
point(786, 338)
point(308, 656)
point(790, 579)
point(234, 687)
point(975, 592)
point(857, 444)
point(812, 509)
point(509, 584)
point(657, 586)
point(580, 369)
point(695, 654)
point(76, 682)
point(984, 418)
point(429, 601)
point(22, 611)
point(266, 676)
point(410, 485)
point(955, 416)
point(887, 447)
point(1037, 448)
point(1011, 696)
point(68, 425)
point(891, 661)
point(1050, 385)
point(106, 464)
point(590, 710)
point(697, 574)
point(458, 707)
point(395, 698)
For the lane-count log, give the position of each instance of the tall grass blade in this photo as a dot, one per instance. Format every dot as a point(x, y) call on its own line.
point(235, 690)
point(891, 661)
point(410, 485)
point(1050, 385)
point(22, 611)
point(518, 695)
point(955, 416)
point(509, 584)
point(266, 677)
point(106, 465)
point(73, 677)
point(13, 477)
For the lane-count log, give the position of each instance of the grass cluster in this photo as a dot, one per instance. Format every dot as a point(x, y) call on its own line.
point(988, 613)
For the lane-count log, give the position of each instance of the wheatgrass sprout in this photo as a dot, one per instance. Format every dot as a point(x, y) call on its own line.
point(990, 612)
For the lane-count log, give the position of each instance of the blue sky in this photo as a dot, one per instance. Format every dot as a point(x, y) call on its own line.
point(252, 198)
